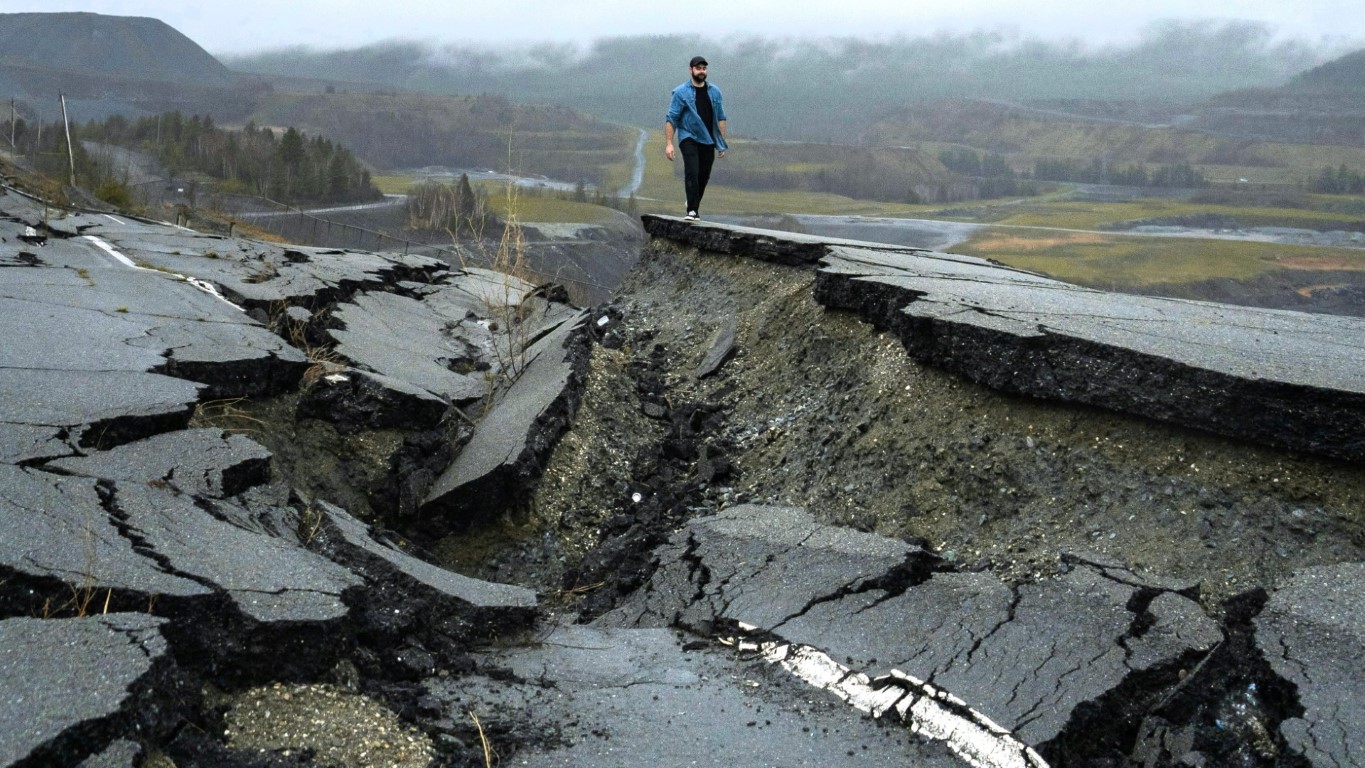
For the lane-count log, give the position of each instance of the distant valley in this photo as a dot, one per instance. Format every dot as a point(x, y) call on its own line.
point(1197, 123)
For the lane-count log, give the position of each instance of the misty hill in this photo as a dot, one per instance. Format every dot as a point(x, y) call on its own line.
point(1323, 105)
point(1346, 73)
point(107, 46)
point(822, 89)
point(107, 65)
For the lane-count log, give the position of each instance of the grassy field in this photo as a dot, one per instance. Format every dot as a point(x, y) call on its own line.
point(1029, 233)
point(545, 207)
point(394, 183)
point(1089, 258)
point(1115, 261)
point(1310, 212)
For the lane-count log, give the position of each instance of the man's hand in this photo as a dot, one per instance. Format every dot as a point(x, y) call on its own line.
point(720, 153)
point(668, 150)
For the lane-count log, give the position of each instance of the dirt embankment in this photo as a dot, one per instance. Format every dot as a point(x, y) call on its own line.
point(817, 409)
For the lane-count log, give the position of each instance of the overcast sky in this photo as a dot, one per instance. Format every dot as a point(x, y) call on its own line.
point(239, 26)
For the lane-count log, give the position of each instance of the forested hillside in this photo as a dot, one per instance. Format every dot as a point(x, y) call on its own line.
point(1345, 73)
point(291, 167)
point(1080, 149)
point(405, 130)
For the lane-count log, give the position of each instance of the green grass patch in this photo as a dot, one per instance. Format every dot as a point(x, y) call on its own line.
point(662, 191)
point(1309, 212)
point(531, 206)
point(1252, 174)
point(394, 183)
point(1118, 261)
point(545, 208)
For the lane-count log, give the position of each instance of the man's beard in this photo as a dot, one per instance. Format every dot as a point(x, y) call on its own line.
point(699, 78)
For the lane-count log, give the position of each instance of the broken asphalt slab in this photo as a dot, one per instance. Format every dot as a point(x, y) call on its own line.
point(776, 558)
point(413, 612)
point(592, 697)
point(1287, 379)
point(441, 352)
point(112, 672)
point(1312, 632)
point(722, 348)
point(196, 462)
point(57, 529)
point(504, 458)
point(790, 248)
point(253, 274)
point(147, 301)
point(146, 542)
point(1036, 660)
point(109, 504)
point(473, 592)
point(101, 353)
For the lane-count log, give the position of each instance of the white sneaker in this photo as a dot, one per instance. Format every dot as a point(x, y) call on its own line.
point(691, 216)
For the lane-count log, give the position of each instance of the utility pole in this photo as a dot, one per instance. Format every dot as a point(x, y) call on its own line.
point(70, 151)
point(12, 119)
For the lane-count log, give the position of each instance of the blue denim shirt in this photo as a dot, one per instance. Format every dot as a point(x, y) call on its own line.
point(682, 113)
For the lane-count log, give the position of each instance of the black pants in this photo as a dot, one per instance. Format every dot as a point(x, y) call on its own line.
point(697, 161)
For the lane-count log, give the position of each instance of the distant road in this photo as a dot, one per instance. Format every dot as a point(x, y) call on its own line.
point(389, 201)
point(637, 177)
point(136, 167)
point(1069, 115)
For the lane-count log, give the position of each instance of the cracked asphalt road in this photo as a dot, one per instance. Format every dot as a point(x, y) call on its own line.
point(1070, 566)
point(736, 563)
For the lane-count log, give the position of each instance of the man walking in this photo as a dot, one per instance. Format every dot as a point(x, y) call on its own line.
point(697, 117)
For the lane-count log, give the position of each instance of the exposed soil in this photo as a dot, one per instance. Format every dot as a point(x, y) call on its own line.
point(819, 410)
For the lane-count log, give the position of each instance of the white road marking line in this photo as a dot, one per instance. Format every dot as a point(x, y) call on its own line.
point(109, 249)
point(928, 711)
point(202, 285)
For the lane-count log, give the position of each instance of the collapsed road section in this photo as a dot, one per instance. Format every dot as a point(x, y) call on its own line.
point(181, 415)
point(1281, 378)
point(1014, 554)
point(271, 505)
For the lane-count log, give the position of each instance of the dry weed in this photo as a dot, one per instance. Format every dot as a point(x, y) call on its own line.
point(226, 414)
point(483, 740)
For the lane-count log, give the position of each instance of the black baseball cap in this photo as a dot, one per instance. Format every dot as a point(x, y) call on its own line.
point(698, 61)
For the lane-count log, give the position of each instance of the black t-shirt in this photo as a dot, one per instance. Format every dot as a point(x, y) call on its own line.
point(705, 110)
